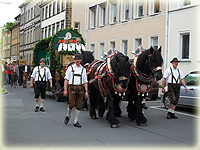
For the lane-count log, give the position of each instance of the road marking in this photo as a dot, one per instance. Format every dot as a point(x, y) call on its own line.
point(157, 107)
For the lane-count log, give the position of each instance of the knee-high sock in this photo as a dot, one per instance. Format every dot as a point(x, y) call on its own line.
point(77, 112)
point(69, 111)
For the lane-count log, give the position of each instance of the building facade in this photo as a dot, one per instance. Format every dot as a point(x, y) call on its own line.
point(183, 34)
point(6, 45)
point(29, 28)
point(62, 14)
point(125, 24)
point(14, 48)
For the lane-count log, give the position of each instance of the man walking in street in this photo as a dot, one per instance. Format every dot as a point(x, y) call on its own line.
point(20, 75)
point(26, 72)
point(174, 76)
point(41, 75)
point(76, 79)
point(15, 73)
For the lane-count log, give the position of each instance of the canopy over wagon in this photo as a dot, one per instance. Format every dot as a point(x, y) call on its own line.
point(57, 61)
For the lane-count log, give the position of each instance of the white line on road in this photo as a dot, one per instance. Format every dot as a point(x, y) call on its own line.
point(157, 107)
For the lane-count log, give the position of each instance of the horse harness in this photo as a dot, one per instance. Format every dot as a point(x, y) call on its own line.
point(39, 75)
point(143, 82)
point(104, 69)
point(173, 77)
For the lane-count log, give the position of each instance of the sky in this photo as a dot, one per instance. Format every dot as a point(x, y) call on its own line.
point(9, 11)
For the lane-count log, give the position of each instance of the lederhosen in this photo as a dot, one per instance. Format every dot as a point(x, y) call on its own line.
point(40, 85)
point(76, 92)
point(174, 89)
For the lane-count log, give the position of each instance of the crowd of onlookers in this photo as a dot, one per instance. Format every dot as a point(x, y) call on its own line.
point(15, 73)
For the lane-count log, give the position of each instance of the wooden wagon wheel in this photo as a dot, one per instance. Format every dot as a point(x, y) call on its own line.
point(57, 89)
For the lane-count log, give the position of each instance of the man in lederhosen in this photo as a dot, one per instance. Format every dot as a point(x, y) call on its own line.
point(174, 76)
point(40, 74)
point(26, 72)
point(76, 78)
point(15, 73)
point(78, 46)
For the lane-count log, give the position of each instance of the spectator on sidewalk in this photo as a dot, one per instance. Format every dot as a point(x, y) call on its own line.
point(9, 75)
point(20, 79)
point(15, 73)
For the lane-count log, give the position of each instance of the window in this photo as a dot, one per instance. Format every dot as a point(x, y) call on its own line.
point(50, 10)
point(139, 7)
point(31, 13)
point(185, 45)
point(45, 33)
point(28, 37)
point(46, 13)
point(154, 6)
point(154, 42)
point(54, 7)
point(53, 29)
point(113, 11)
point(62, 24)
point(49, 32)
point(124, 47)
point(92, 48)
point(31, 37)
point(102, 14)
point(42, 13)
point(28, 15)
point(138, 42)
point(186, 2)
point(57, 26)
point(58, 6)
point(42, 34)
point(112, 44)
point(77, 26)
point(102, 49)
point(92, 17)
point(35, 10)
point(63, 4)
point(125, 10)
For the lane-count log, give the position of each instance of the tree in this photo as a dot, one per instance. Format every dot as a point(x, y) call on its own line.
point(9, 25)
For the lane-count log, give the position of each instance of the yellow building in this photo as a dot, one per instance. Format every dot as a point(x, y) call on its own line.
point(125, 24)
point(6, 45)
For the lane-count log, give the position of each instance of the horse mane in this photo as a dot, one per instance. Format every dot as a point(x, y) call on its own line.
point(142, 63)
point(122, 65)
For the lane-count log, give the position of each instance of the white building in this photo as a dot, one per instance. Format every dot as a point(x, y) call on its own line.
point(62, 14)
point(184, 34)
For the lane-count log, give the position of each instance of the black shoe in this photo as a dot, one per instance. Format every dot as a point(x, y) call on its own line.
point(174, 116)
point(36, 109)
point(66, 120)
point(42, 109)
point(144, 106)
point(169, 115)
point(77, 125)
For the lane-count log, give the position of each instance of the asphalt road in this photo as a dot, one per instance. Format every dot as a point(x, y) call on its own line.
point(22, 127)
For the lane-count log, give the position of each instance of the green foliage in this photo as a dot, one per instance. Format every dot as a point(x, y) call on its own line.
point(9, 25)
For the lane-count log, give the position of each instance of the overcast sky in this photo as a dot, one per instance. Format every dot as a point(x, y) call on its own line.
point(9, 11)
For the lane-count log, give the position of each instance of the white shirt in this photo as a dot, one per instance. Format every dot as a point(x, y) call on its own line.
point(77, 70)
point(2, 67)
point(35, 73)
point(79, 46)
point(25, 68)
point(65, 47)
point(168, 74)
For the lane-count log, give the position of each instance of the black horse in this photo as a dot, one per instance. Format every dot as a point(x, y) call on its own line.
point(105, 85)
point(147, 69)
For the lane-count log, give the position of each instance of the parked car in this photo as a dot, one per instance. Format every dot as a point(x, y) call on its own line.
point(189, 99)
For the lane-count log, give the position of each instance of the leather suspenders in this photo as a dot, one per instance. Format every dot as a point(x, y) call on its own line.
point(176, 80)
point(39, 75)
point(79, 75)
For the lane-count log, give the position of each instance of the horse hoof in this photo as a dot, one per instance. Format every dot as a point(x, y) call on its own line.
point(93, 117)
point(114, 126)
point(142, 124)
point(131, 120)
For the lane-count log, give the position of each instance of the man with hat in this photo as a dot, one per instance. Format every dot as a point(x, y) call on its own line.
point(75, 80)
point(40, 74)
point(174, 76)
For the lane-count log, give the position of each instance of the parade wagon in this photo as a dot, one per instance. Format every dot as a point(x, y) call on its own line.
point(56, 61)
